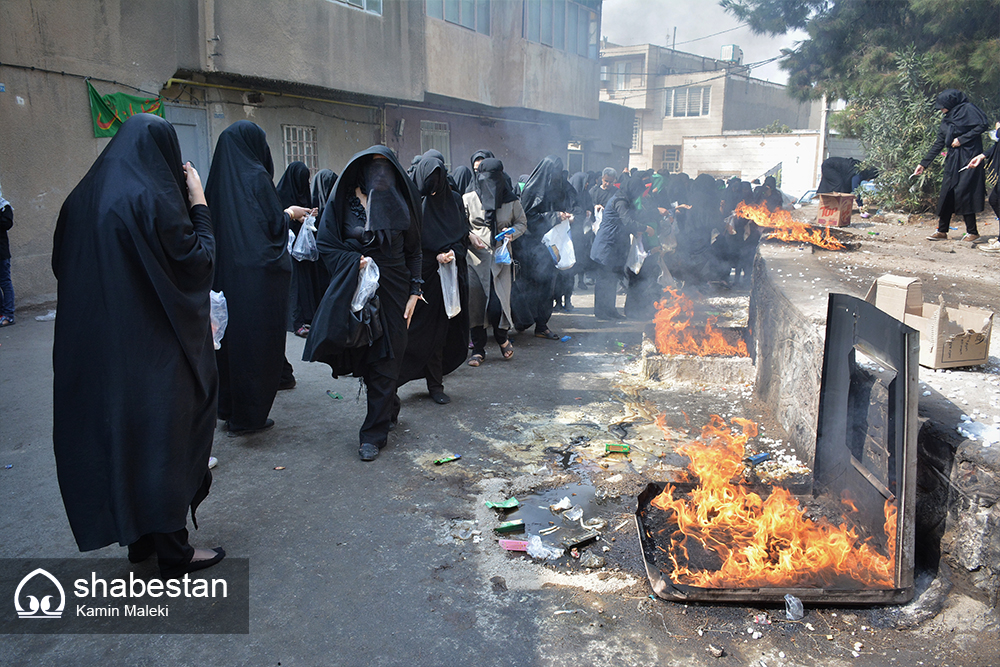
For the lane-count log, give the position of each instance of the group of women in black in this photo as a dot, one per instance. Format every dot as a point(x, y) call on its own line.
point(139, 245)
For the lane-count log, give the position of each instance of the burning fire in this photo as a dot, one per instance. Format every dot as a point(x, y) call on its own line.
point(674, 335)
point(762, 542)
point(787, 229)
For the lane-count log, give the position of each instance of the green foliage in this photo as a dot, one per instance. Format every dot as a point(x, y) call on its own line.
point(854, 45)
point(777, 127)
point(896, 131)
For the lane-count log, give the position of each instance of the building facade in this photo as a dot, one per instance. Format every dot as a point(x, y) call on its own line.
point(323, 78)
point(679, 96)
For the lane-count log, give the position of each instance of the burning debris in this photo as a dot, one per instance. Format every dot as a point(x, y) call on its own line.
point(785, 228)
point(676, 335)
point(727, 536)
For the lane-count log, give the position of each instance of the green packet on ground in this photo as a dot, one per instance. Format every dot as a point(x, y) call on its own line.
point(508, 504)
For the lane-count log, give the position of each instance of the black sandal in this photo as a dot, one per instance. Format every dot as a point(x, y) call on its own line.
point(547, 334)
point(507, 350)
point(476, 360)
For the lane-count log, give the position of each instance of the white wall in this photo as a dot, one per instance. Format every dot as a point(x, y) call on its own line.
point(749, 156)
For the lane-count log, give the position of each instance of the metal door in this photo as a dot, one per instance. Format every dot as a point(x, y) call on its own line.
point(191, 124)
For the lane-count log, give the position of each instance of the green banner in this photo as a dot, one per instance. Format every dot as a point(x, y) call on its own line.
point(110, 111)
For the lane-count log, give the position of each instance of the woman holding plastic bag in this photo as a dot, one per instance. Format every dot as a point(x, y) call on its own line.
point(373, 215)
point(438, 339)
point(612, 244)
point(293, 190)
point(134, 378)
point(496, 217)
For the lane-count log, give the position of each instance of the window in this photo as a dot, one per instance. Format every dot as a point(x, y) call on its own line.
point(671, 159)
point(300, 146)
point(373, 6)
point(563, 24)
point(623, 70)
point(472, 14)
point(636, 134)
point(688, 102)
point(437, 136)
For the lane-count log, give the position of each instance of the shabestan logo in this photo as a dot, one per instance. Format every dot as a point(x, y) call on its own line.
point(39, 608)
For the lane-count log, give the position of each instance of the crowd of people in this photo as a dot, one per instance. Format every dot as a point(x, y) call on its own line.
point(413, 268)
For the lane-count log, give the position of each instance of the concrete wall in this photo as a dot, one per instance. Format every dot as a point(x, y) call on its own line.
point(749, 156)
point(48, 143)
point(751, 104)
point(326, 44)
point(504, 70)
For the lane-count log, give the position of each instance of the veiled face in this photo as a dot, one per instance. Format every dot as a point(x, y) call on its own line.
point(379, 175)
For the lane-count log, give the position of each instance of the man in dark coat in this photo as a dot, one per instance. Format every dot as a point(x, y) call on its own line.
point(253, 268)
point(963, 191)
point(134, 378)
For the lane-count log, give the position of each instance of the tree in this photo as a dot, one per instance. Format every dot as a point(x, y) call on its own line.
point(854, 46)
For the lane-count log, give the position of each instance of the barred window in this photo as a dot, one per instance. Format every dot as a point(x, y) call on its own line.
point(637, 133)
point(688, 101)
point(437, 136)
point(671, 159)
point(300, 146)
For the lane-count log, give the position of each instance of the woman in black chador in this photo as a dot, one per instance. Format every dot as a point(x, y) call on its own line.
point(293, 190)
point(437, 345)
point(547, 200)
point(134, 385)
point(962, 192)
point(253, 269)
point(373, 215)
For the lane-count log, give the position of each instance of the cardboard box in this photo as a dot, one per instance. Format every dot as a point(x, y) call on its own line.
point(949, 337)
point(835, 209)
point(896, 295)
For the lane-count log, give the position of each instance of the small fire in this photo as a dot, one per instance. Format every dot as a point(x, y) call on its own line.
point(762, 542)
point(787, 229)
point(675, 335)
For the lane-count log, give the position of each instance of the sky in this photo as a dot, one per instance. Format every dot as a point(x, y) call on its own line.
point(631, 22)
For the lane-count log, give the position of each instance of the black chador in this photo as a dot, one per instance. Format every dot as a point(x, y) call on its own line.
point(374, 212)
point(134, 386)
point(438, 345)
point(253, 269)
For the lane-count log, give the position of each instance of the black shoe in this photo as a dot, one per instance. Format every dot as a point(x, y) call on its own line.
point(178, 571)
point(236, 430)
point(286, 384)
point(440, 397)
point(368, 451)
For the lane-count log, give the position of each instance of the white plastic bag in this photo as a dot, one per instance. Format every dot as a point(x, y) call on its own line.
point(449, 288)
point(502, 255)
point(291, 241)
point(367, 284)
point(636, 255)
point(537, 549)
point(219, 314)
point(560, 245)
point(598, 218)
point(304, 249)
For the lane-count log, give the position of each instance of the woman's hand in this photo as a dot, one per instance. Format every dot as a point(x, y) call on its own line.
point(476, 242)
point(196, 193)
point(563, 215)
point(446, 257)
point(364, 262)
point(919, 170)
point(650, 231)
point(976, 161)
point(956, 143)
point(411, 305)
point(296, 212)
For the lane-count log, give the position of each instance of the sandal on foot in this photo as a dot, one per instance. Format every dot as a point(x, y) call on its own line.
point(507, 350)
point(6, 320)
point(476, 360)
point(547, 334)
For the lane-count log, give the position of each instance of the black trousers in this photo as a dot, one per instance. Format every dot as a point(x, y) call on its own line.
point(172, 549)
point(994, 200)
point(605, 291)
point(383, 404)
point(494, 312)
point(948, 210)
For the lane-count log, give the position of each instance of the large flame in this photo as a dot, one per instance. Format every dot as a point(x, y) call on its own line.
point(762, 542)
point(675, 335)
point(787, 229)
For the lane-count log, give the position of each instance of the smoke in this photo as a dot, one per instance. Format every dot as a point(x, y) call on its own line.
point(631, 22)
